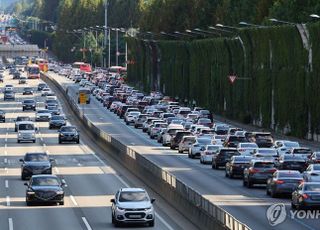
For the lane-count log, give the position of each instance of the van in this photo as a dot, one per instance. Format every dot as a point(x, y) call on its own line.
point(26, 132)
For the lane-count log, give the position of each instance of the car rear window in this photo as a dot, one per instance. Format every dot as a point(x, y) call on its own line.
point(289, 174)
point(312, 187)
point(264, 165)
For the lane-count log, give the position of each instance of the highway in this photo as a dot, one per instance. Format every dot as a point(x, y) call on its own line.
point(91, 178)
point(247, 205)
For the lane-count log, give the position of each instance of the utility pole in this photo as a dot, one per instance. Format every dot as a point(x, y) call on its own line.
point(109, 59)
point(106, 3)
point(117, 46)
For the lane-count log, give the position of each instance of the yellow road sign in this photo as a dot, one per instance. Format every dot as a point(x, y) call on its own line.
point(82, 98)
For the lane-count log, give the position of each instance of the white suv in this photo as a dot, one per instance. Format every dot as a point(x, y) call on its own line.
point(132, 205)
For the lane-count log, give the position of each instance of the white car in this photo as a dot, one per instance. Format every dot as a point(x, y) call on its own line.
point(169, 133)
point(195, 149)
point(132, 205)
point(247, 148)
point(207, 154)
point(43, 115)
point(284, 146)
point(45, 91)
point(265, 153)
point(186, 143)
point(130, 117)
point(156, 129)
point(8, 88)
point(218, 139)
point(312, 173)
point(26, 131)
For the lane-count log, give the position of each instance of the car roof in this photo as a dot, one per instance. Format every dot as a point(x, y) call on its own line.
point(132, 190)
point(26, 122)
point(44, 176)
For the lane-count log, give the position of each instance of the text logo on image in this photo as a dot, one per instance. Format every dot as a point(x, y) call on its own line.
point(276, 214)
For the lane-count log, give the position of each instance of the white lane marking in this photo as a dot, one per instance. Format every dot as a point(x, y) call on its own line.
point(8, 200)
point(79, 164)
point(73, 200)
point(5, 145)
point(41, 138)
point(86, 223)
point(10, 223)
point(6, 169)
point(56, 169)
point(5, 152)
point(6, 183)
point(65, 183)
point(5, 160)
point(44, 145)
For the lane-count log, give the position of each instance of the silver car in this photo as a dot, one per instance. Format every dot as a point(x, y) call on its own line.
point(132, 205)
point(312, 173)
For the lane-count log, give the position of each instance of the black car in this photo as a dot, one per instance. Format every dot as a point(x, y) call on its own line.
point(54, 110)
point(68, 134)
point(292, 162)
point(235, 166)
point(41, 86)
point(232, 141)
point(34, 164)
point(27, 91)
point(223, 156)
point(2, 116)
point(19, 119)
point(283, 182)
point(8, 95)
point(306, 195)
point(44, 189)
point(57, 121)
point(29, 104)
point(1, 78)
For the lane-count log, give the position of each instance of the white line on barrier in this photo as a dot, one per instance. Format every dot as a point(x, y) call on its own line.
point(5, 152)
point(5, 160)
point(6, 183)
point(65, 183)
point(86, 223)
point(5, 145)
point(73, 200)
point(10, 223)
point(8, 200)
point(56, 169)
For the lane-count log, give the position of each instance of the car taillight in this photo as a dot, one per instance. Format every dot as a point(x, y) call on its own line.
point(279, 182)
point(300, 181)
point(242, 150)
point(305, 196)
point(272, 170)
point(253, 170)
point(207, 153)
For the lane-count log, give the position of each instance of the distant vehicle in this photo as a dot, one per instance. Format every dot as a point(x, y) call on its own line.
point(26, 131)
point(22, 80)
point(33, 71)
point(86, 92)
point(312, 173)
point(27, 91)
point(57, 121)
point(235, 166)
point(20, 119)
point(68, 134)
point(45, 92)
point(29, 104)
point(132, 205)
point(2, 116)
point(8, 95)
point(35, 163)
point(44, 189)
point(223, 156)
point(43, 115)
point(83, 67)
point(41, 86)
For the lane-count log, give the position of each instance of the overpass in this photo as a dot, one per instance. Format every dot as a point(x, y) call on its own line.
point(11, 51)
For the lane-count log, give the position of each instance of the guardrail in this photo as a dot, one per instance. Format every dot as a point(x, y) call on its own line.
point(202, 212)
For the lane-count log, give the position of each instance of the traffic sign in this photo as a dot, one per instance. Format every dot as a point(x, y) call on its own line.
point(82, 98)
point(232, 78)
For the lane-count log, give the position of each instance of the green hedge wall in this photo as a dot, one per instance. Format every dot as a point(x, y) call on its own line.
point(275, 88)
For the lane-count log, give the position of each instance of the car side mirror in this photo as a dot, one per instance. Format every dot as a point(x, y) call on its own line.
point(153, 200)
point(26, 184)
point(21, 160)
point(52, 160)
point(113, 201)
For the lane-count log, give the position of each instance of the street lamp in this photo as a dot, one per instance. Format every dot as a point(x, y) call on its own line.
point(198, 33)
point(316, 16)
point(169, 34)
point(106, 4)
point(227, 27)
point(250, 24)
point(281, 22)
point(208, 32)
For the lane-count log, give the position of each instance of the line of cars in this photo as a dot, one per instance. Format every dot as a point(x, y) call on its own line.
point(283, 166)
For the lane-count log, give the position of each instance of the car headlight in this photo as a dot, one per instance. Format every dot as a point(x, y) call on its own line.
point(30, 192)
point(19, 134)
point(60, 192)
point(61, 134)
point(148, 209)
point(33, 134)
point(120, 209)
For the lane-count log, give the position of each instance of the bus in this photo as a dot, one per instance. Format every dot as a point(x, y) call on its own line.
point(43, 64)
point(87, 92)
point(33, 71)
point(83, 67)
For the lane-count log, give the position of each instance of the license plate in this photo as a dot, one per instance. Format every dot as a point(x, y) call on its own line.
point(135, 216)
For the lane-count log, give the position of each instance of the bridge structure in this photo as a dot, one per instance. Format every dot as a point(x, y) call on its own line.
point(11, 51)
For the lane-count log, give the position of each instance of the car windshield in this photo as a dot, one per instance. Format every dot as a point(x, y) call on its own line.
point(43, 111)
point(57, 118)
point(28, 101)
point(264, 165)
point(26, 127)
point(302, 151)
point(68, 129)
point(210, 147)
point(133, 196)
point(45, 181)
point(27, 89)
point(204, 141)
point(289, 174)
point(316, 167)
point(312, 187)
point(290, 144)
point(52, 101)
point(36, 157)
point(23, 118)
point(267, 151)
point(249, 145)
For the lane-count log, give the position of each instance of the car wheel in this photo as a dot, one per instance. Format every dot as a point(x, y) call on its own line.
point(231, 175)
point(22, 109)
point(117, 223)
point(191, 156)
point(273, 194)
point(18, 141)
point(226, 174)
point(61, 203)
point(267, 191)
point(244, 182)
point(78, 141)
point(180, 151)
point(293, 206)
point(23, 177)
point(172, 147)
point(60, 141)
point(34, 141)
point(249, 184)
point(29, 203)
point(151, 223)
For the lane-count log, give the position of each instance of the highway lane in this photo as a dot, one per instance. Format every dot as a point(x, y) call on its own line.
point(248, 205)
point(91, 181)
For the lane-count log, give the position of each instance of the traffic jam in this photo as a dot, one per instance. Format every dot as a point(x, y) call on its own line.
point(284, 167)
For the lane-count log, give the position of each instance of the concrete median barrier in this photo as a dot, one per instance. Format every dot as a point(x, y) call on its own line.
point(185, 199)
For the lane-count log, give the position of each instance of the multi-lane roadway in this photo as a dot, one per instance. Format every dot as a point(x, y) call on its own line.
point(247, 205)
point(91, 178)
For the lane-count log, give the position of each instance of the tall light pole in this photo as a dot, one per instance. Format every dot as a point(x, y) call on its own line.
point(106, 3)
